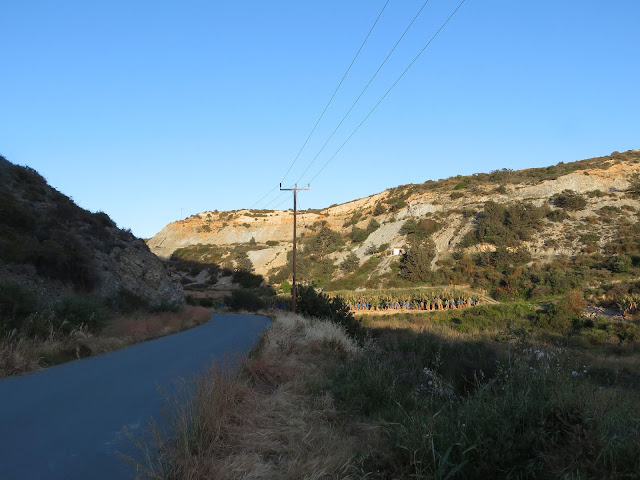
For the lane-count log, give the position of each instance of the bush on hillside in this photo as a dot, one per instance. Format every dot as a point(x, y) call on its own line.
point(358, 235)
point(373, 225)
point(569, 200)
point(507, 225)
point(350, 264)
point(379, 209)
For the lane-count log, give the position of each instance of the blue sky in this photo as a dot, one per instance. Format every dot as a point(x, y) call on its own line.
point(143, 108)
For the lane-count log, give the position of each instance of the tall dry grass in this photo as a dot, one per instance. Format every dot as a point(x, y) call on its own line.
point(19, 355)
point(265, 421)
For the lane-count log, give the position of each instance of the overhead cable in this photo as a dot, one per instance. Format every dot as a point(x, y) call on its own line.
point(328, 103)
point(389, 90)
point(364, 89)
point(335, 91)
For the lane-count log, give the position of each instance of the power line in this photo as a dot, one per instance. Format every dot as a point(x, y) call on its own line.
point(269, 193)
point(275, 199)
point(328, 103)
point(389, 90)
point(365, 88)
point(281, 203)
point(335, 91)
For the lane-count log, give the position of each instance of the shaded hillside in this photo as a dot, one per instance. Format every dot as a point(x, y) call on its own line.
point(451, 228)
point(50, 247)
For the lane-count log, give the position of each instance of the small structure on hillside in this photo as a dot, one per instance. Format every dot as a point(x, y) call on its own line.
point(396, 251)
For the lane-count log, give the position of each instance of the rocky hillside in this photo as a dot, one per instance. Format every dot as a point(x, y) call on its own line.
point(50, 247)
point(454, 204)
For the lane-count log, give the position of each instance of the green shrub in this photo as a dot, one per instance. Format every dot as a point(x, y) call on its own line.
point(461, 407)
point(128, 302)
point(379, 209)
point(244, 300)
point(619, 264)
point(358, 235)
point(416, 263)
point(557, 215)
point(634, 185)
point(569, 200)
point(373, 225)
point(247, 279)
point(590, 238)
point(74, 311)
point(318, 305)
point(507, 225)
point(16, 304)
point(350, 263)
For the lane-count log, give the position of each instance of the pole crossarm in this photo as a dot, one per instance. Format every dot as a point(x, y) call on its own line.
point(295, 191)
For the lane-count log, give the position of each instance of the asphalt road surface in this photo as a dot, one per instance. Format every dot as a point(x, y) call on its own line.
point(67, 422)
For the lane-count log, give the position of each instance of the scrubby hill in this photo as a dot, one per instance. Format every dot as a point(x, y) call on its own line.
point(449, 228)
point(51, 249)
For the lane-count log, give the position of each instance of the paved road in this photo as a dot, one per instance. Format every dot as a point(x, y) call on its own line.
point(66, 422)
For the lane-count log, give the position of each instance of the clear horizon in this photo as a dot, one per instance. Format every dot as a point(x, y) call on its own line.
point(141, 110)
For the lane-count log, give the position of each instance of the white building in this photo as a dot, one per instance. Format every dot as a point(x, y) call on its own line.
point(396, 251)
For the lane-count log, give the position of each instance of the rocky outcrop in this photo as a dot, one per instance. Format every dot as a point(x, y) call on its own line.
point(444, 201)
point(51, 246)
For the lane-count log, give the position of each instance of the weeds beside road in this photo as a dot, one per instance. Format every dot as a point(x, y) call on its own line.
point(21, 354)
point(472, 396)
point(269, 420)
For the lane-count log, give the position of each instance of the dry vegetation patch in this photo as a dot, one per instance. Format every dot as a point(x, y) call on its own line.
point(267, 420)
point(20, 355)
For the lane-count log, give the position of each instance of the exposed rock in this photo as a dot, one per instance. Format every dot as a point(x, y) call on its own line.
point(51, 246)
point(609, 175)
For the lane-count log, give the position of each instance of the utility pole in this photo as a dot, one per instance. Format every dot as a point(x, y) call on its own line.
point(293, 286)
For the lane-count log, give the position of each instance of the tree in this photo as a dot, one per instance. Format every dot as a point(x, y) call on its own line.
point(350, 263)
point(419, 231)
point(322, 243)
point(242, 262)
point(416, 263)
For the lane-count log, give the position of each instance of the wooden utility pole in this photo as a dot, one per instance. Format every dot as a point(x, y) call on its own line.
point(293, 286)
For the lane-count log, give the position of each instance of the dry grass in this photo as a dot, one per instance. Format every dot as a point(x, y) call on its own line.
point(19, 355)
point(16, 357)
point(144, 326)
point(266, 421)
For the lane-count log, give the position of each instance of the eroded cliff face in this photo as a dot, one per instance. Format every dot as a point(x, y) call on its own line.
point(51, 246)
point(452, 202)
